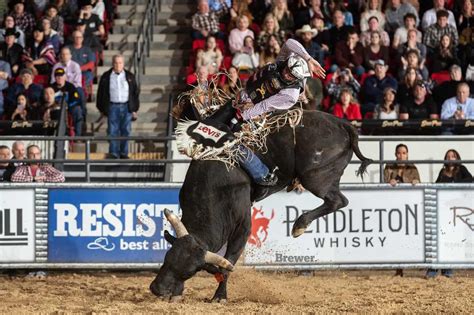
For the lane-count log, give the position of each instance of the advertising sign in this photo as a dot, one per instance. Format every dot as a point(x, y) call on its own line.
point(456, 226)
point(17, 233)
point(378, 226)
point(109, 225)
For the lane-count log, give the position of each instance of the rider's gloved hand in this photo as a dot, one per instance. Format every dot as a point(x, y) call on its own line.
point(236, 122)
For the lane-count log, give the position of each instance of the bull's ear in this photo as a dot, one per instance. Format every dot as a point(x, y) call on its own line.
point(170, 238)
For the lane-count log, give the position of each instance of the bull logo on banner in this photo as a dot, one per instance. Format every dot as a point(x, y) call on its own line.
point(259, 231)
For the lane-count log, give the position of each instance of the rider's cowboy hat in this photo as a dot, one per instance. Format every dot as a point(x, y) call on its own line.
point(11, 32)
point(307, 29)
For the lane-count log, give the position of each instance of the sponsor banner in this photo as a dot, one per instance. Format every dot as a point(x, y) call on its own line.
point(17, 233)
point(109, 225)
point(456, 226)
point(378, 226)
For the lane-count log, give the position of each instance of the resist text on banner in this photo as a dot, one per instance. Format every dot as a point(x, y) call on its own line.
point(109, 225)
point(17, 233)
point(456, 226)
point(384, 226)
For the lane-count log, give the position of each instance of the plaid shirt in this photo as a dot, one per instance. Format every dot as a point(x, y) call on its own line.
point(23, 174)
point(26, 22)
point(434, 33)
point(209, 21)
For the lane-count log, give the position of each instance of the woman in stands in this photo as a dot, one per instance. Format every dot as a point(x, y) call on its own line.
point(347, 108)
point(57, 21)
point(232, 84)
point(270, 51)
point(39, 53)
point(21, 111)
point(51, 35)
point(238, 34)
point(283, 16)
point(375, 51)
point(247, 59)
point(270, 27)
point(388, 109)
point(444, 56)
point(401, 173)
point(412, 60)
point(372, 8)
point(211, 57)
point(239, 8)
point(451, 173)
point(405, 88)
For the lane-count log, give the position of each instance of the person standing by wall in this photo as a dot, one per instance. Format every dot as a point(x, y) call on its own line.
point(118, 99)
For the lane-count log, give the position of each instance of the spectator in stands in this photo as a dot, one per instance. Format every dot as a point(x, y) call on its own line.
point(466, 34)
point(459, 107)
point(448, 89)
point(431, 16)
point(401, 34)
point(72, 68)
point(26, 86)
point(330, 6)
point(373, 8)
point(270, 51)
point(306, 35)
point(57, 21)
point(84, 56)
point(91, 26)
point(210, 57)
point(18, 149)
point(342, 79)
point(248, 58)
point(67, 10)
point(422, 106)
point(347, 108)
point(349, 54)
point(4, 155)
point(237, 35)
point(434, 32)
point(303, 14)
point(206, 22)
point(67, 92)
point(401, 173)
point(39, 54)
point(444, 55)
point(5, 75)
point(338, 32)
point(375, 51)
point(9, 22)
point(52, 108)
point(51, 35)
point(413, 60)
point(10, 51)
point(394, 14)
point(98, 8)
point(36, 171)
point(239, 8)
point(388, 109)
point(374, 27)
point(118, 99)
point(259, 10)
point(406, 87)
point(283, 16)
point(374, 86)
point(412, 43)
point(232, 84)
point(24, 20)
point(21, 110)
point(269, 27)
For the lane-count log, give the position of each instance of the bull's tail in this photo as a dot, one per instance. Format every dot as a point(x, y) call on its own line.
point(354, 138)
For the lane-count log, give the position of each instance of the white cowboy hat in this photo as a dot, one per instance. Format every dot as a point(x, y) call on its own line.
point(307, 29)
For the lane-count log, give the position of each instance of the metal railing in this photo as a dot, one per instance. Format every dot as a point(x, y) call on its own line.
point(144, 39)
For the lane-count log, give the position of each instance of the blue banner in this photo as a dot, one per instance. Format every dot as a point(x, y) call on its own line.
point(109, 225)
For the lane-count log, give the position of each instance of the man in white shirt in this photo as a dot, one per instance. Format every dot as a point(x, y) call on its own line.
point(429, 18)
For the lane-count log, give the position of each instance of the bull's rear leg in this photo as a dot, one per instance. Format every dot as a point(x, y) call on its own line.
point(235, 247)
point(333, 201)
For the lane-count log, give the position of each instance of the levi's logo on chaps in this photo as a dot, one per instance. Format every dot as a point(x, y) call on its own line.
point(209, 132)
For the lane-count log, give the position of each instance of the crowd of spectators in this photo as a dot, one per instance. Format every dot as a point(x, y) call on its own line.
point(50, 46)
point(385, 59)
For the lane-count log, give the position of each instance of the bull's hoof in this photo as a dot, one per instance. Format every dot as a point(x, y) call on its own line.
point(298, 228)
point(176, 299)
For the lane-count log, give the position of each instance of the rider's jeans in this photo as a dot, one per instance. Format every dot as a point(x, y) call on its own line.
point(252, 164)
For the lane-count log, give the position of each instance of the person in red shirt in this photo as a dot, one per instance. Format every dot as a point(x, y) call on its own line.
point(346, 107)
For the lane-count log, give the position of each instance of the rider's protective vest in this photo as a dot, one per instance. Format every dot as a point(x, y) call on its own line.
point(267, 82)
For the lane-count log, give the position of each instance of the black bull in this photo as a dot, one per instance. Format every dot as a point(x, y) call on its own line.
point(216, 203)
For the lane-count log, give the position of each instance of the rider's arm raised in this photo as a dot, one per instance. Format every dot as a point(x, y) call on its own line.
point(284, 99)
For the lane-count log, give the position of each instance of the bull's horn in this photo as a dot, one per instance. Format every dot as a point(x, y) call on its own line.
point(176, 223)
point(218, 260)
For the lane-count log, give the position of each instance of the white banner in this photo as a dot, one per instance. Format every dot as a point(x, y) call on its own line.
point(17, 233)
point(383, 226)
point(456, 226)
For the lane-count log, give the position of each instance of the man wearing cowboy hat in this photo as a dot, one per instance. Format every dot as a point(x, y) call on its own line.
point(306, 35)
point(10, 51)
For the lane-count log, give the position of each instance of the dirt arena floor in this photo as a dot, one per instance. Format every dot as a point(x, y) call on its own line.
point(249, 292)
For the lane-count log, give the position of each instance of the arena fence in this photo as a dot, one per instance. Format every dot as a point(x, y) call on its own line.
point(110, 226)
